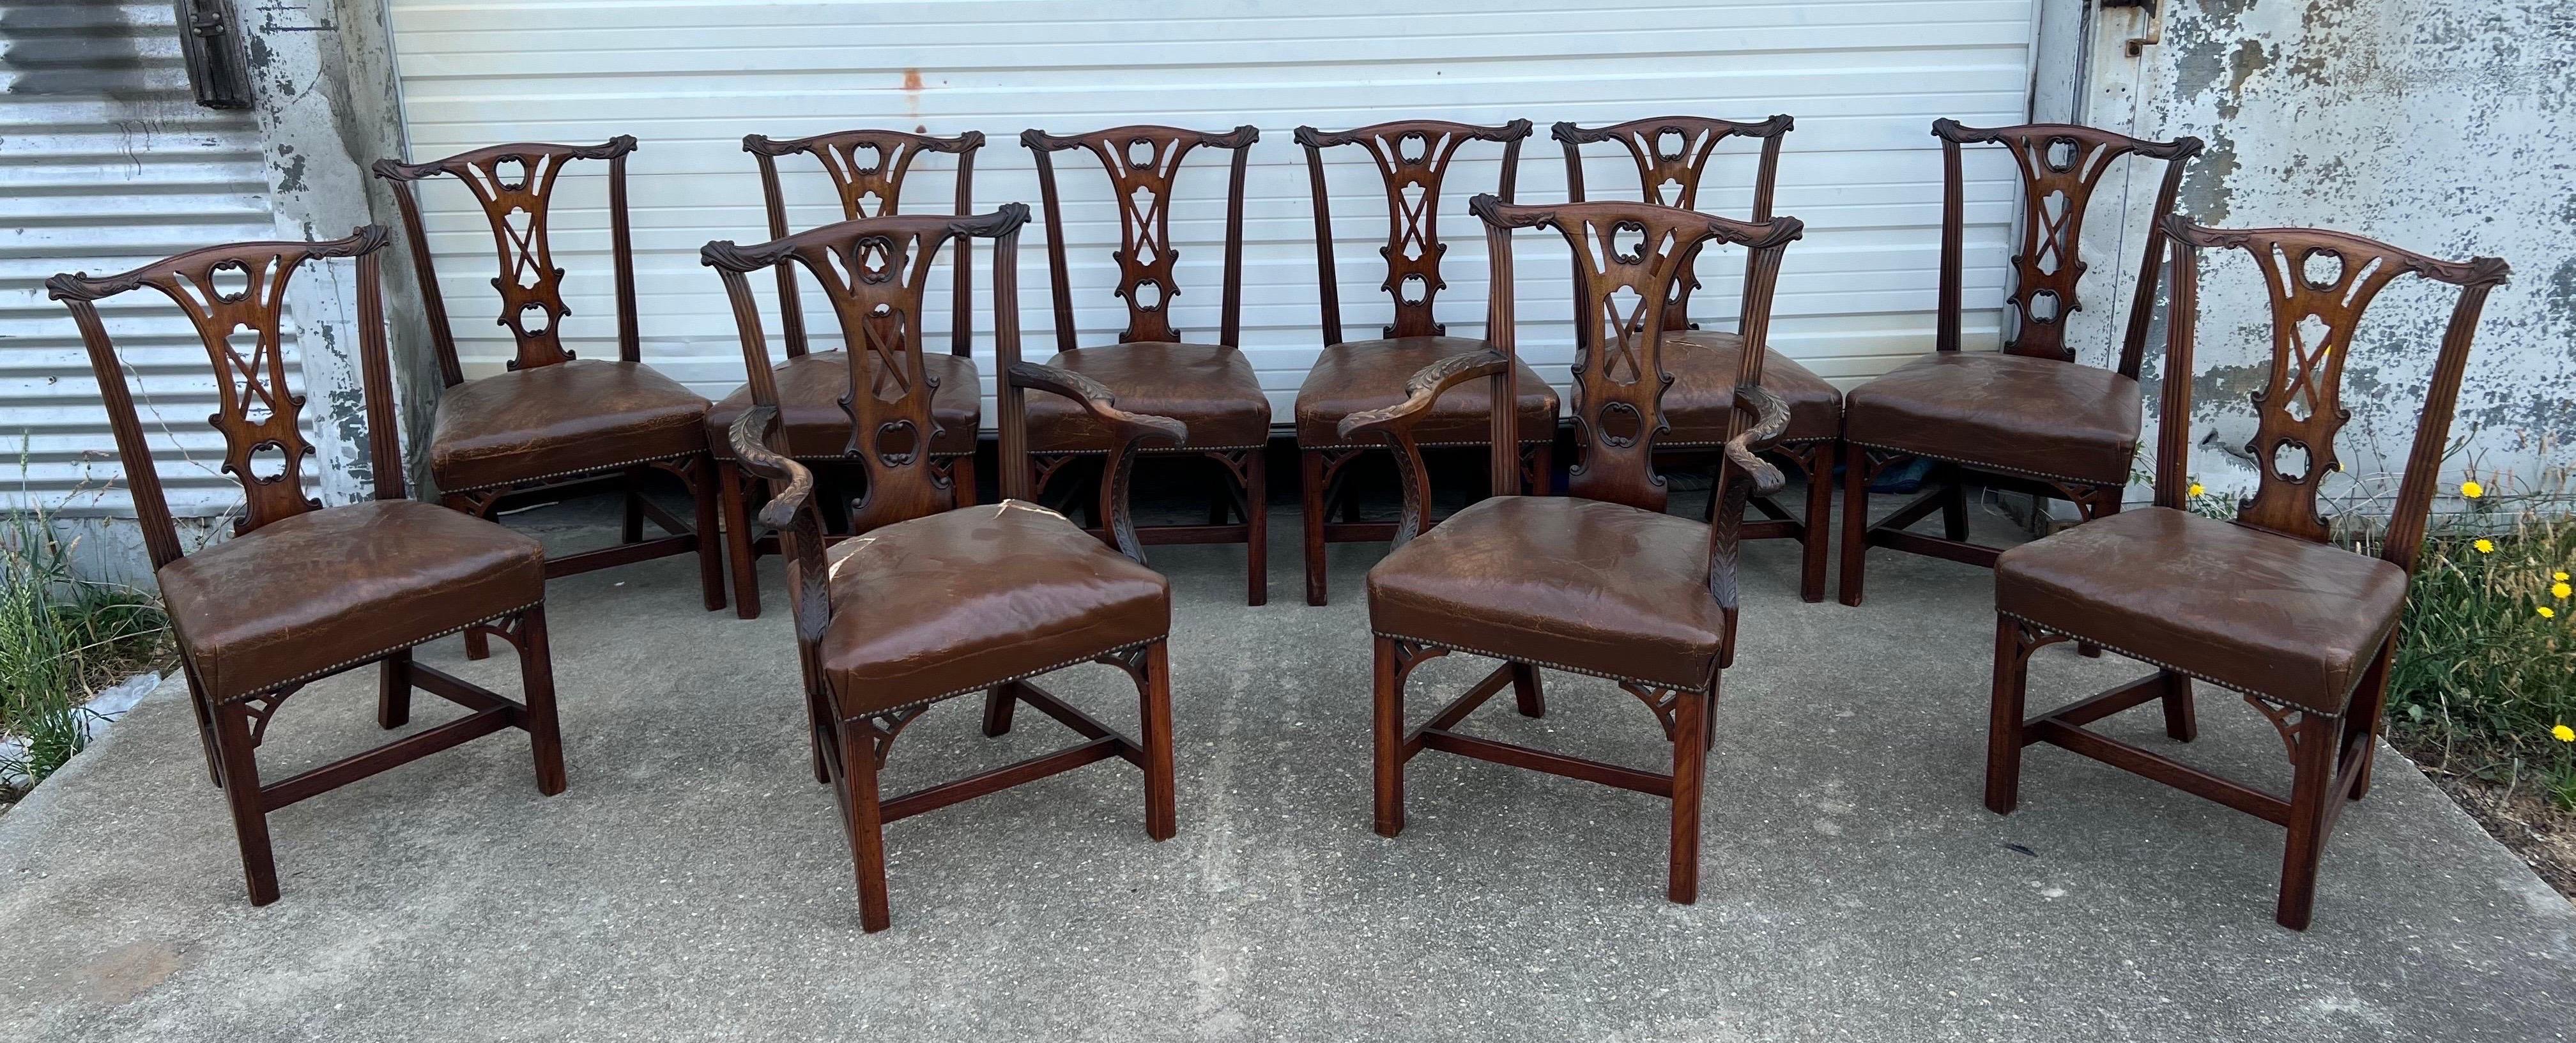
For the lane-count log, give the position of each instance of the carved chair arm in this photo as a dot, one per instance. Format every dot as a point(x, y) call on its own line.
point(1127, 431)
point(1397, 422)
point(1744, 475)
point(791, 511)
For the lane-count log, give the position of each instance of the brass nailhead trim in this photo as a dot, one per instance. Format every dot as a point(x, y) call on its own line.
point(378, 654)
point(2152, 661)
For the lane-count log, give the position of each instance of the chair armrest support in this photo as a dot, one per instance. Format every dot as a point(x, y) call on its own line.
point(792, 512)
point(1127, 432)
point(1744, 474)
point(1397, 422)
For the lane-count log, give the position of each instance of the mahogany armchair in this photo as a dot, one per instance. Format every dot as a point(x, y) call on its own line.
point(2265, 605)
point(302, 591)
point(868, 169)
point(939, 600)
point(553, 425)
point(2028, 418)
point(1210, 388)
point(1672, 155)
point(1601, 581)
point(1349, 377)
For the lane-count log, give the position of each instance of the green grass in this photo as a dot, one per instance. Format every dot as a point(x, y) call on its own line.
point(61, 638)
point(2486, 659)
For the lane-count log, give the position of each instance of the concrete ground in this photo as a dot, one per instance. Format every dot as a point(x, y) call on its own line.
point(693, 883)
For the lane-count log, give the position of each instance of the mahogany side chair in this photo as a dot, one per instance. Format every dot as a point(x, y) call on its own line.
point(867, 169)
point(939, 600)
point(302, 591)
point(555, 426)
point(1600, 581)
point(1412, 156)
point(2264, 605)
point(1211, 388)
point(1672, 154)
point(2027, 418)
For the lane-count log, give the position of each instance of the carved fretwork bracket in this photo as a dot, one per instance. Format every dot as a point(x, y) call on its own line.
point(1409, 654)
point(264, 706)
point(2290, 721)
point(1664, 702)
point(881, 728)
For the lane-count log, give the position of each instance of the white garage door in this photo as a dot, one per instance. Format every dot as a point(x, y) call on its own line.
point(1864, 78)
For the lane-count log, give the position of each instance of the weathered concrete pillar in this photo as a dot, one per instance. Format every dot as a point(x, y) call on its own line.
point(328, 105)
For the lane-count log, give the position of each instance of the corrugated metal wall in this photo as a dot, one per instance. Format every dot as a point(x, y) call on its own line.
point(107, 162)
point(1865, 79)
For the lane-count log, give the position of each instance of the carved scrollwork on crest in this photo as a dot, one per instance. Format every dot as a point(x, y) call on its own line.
point(1412, 158)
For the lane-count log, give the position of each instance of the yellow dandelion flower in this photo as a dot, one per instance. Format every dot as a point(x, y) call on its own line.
point(2547, 612)
point(2559, 576)
point(2561, 590)
point(2472, 489)
point(2563, 733)
point(2196, 489)
point(2484, 546)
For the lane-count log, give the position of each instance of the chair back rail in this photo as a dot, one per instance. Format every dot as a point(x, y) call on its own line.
point(515, 184)
point(2060, 165)
point(867, 169)
point(1672, 154)
point(2319, 284)
point(225, 291)
point(1142, 162)
point(1412, 158)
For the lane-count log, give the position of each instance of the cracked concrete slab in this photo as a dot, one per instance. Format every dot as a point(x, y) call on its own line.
point(693, 883)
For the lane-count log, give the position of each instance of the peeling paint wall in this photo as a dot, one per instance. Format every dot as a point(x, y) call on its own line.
point(2435, 125)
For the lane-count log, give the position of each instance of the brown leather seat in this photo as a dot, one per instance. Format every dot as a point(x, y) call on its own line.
point(570, 418)
point(2244, 608)
point(312, 592)
point(962, 600)
point(812, 424)
point(1357, 376)
point(1209, 387)
point(1582, 585)
point(2017, 413)
point(1704, 363)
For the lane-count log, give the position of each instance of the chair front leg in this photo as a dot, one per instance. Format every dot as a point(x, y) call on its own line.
point(2013, 645)
point(1855, 520)
point(1154, 694)
point(1816, 462)
point(739, 549)
point(1690, 763)
point(235, 746)
point(864, 820)
point(2311, 798)
point(1388, 732)
point(1256, 521)
point(707, 497)
point(537, 687)
point(393, 690)
point(1310, 494)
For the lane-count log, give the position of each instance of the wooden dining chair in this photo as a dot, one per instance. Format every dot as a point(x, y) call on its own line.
point(302, 591)
point(2027, 418)
point(2266, 604)
point(1211, 388)
point(554, 426)
point(939, 600)
point(867, 169)
point(1601, 581)
point(1412, 157)
point(1672, 155)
